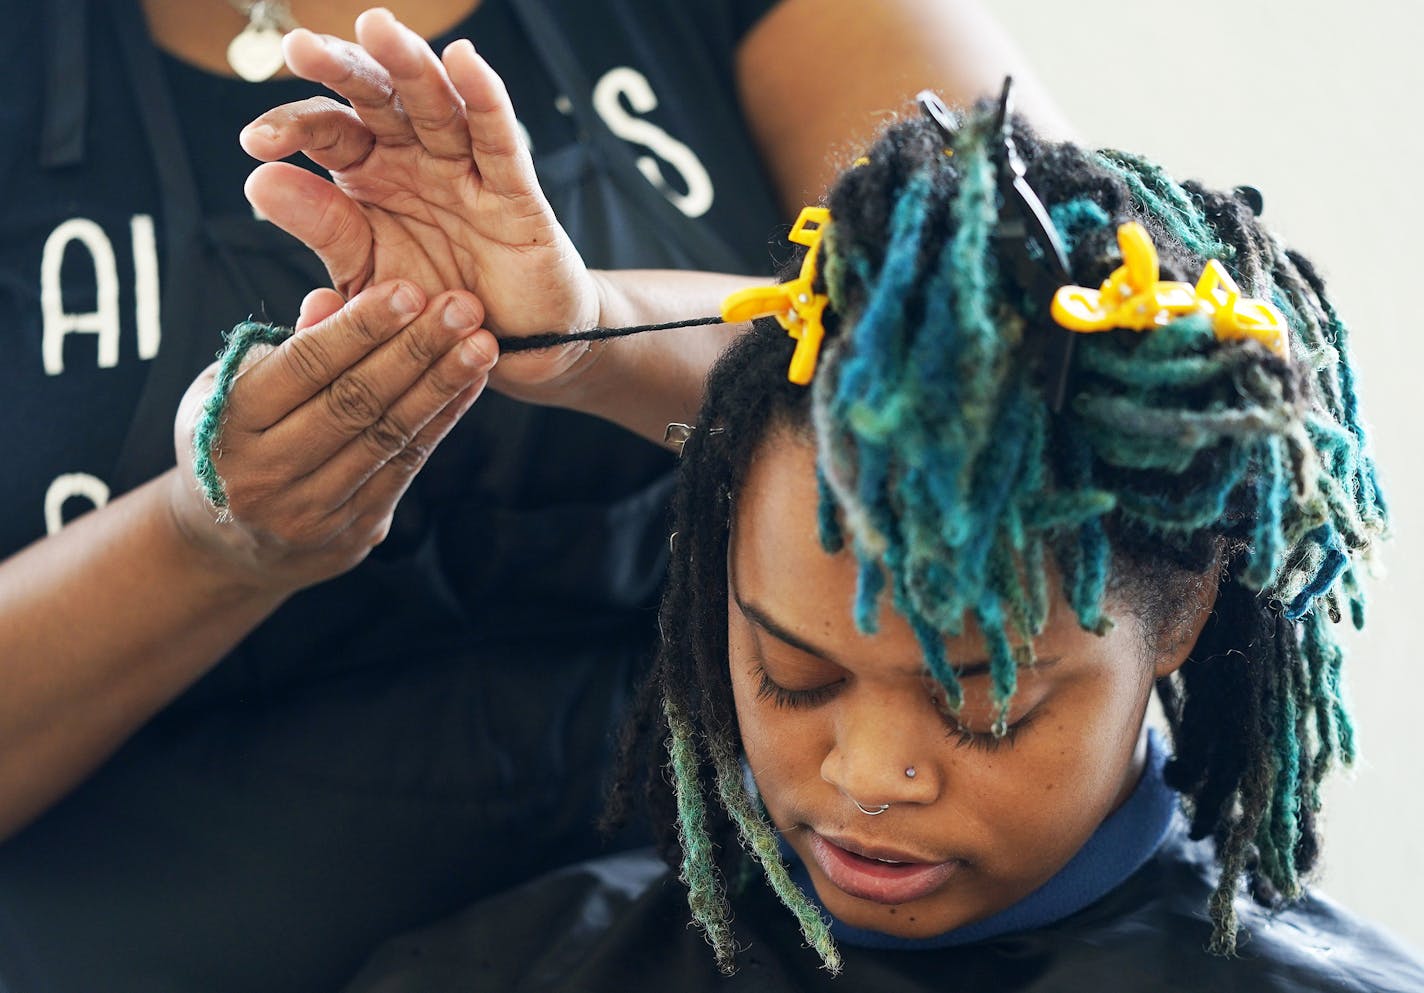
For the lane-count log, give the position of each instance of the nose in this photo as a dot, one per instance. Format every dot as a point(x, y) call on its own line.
point(878, 759)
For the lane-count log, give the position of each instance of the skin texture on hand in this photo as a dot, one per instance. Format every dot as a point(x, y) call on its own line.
point(323, 434)
point(430, 181)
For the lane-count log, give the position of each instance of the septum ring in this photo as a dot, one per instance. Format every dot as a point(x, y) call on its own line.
point(871, 811)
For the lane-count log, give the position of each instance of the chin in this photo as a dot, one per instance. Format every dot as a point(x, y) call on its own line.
point(949, 907)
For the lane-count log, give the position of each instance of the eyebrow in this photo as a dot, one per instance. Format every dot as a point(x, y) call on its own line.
point(758, 617)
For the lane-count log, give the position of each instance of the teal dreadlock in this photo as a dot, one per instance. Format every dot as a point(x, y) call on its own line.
point(944, 468)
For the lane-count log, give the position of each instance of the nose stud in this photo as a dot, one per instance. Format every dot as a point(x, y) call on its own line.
point(910, 773)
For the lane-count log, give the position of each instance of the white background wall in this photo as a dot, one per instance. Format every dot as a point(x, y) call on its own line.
point(1317, 104)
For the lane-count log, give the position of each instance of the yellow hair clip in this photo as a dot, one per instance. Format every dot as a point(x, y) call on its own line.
point(795, 304)
point(1133, 297)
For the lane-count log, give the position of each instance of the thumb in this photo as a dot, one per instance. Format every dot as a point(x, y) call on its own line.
point(317, 306)
point(319, 215)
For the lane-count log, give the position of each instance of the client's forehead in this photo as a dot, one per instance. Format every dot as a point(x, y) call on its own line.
point(777, 564)
point(785, 583)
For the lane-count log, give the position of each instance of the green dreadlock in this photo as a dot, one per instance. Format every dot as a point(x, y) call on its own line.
point(943, 467)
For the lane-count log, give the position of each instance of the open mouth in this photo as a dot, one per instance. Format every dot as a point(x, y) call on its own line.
point(879, 877)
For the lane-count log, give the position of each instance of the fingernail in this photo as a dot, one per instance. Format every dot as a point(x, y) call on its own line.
point(264, 131)
point(457, 315)
point(405, 301)
point(474, 356)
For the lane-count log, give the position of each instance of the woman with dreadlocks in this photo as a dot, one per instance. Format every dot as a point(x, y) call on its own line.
point(1049, 431)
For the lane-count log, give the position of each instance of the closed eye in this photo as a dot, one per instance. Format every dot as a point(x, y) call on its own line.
point(781, 696)
point(988, 741)
point(1001, 736)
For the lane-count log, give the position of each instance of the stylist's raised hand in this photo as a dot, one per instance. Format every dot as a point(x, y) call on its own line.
point(322, 435)
point(431, 181)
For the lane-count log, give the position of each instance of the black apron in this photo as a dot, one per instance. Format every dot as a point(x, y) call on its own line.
point(435, 724)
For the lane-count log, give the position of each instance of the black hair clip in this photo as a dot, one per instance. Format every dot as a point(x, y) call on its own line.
point(1251, 197)
point(1039, 274)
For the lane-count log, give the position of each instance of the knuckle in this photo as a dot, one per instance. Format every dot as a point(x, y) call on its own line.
point(387, 437)
point(308, 108)
point(381, 97)
point(453, 374)
point(352, 403)
point(336, 225)
point(307, 359)
point(418, 347)
point(435, 121)
point(323, 121)
point(443, 385)
point(322, 136)
point(500, 147)
point(414, 455)
point(327, 105)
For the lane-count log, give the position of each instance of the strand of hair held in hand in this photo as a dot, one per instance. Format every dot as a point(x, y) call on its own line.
point(552, 339)
point(248, 334)
point(240, 340)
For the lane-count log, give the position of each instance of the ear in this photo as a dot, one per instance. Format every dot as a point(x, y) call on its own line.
point(1178, 638)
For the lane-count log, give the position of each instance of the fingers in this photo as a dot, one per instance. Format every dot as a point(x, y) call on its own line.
point(401, 441)
point(315, 212)
point(317, 306)
point(379, 404)
point(349, 71)
point(325, 131)
point(382, 491)
point(396, 86)
point(434, 109)
point(308, 362)
point(500, 154)
point(295, 516)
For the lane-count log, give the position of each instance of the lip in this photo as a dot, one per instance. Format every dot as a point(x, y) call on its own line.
point(860, 870)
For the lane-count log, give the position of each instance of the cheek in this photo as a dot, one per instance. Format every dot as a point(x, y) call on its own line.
point(782, 746)
point(1040, 800)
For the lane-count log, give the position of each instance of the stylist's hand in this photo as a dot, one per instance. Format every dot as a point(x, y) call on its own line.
point(431, 181)
point(323, 434)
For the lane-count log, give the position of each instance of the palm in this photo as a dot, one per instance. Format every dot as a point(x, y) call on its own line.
point(432, 221)
point(430, 181)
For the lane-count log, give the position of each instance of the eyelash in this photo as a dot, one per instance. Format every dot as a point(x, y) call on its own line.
point(780, 696)
point(964, 738)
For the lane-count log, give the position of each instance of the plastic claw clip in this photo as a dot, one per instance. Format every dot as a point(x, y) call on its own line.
point(1133, 297)
point(796, 305)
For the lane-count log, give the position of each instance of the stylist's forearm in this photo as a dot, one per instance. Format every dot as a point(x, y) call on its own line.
point(646, 381)
point(106, 621)
point(101, 625)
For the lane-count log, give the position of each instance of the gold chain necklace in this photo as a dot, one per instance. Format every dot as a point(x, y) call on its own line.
point(256, 53)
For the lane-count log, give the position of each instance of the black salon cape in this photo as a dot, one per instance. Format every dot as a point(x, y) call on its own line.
point(621, 924)
point(435, 725)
